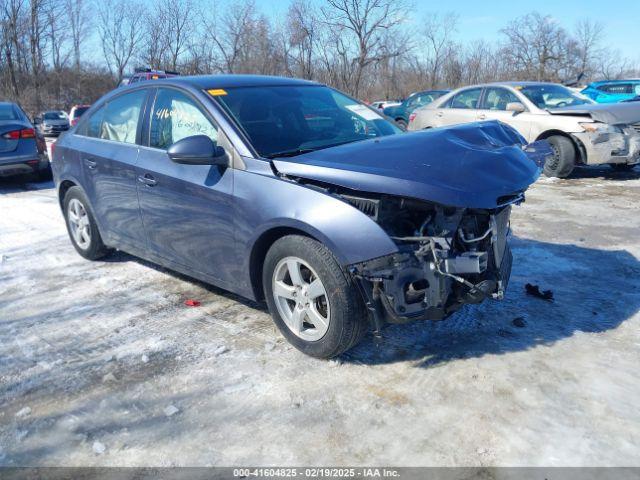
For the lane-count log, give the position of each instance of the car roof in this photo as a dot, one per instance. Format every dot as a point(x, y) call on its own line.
point(8, 103)
point(604, 82)
point(205, 82)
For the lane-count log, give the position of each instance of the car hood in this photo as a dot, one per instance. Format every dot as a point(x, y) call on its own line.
point(477, 165)
point(613, 114)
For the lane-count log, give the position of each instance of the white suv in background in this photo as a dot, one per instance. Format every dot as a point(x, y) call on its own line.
point(579, 130)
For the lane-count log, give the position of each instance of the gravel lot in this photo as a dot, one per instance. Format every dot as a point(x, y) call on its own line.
point(102, 363)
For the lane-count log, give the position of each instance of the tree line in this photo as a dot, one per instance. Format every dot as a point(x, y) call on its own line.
point(54, 53)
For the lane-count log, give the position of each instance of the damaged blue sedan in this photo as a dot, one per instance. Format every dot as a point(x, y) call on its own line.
point(291, 192)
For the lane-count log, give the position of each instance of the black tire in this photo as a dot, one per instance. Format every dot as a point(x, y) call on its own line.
point(401, 123)
point(563, 161)
point(622, 167)
point(96, 248)
point(348, 322)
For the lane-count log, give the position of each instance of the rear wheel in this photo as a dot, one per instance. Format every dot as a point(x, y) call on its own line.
point(81, 225)
point(622, 167)
point(313, 302)
point(401, 123)
point(563, 161)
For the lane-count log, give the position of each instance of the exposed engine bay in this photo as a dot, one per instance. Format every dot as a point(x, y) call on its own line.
point(447, 257)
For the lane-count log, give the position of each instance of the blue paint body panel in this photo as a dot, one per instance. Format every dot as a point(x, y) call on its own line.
point(206, 220)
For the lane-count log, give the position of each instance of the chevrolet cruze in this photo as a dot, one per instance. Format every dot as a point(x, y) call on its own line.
point(292, 192)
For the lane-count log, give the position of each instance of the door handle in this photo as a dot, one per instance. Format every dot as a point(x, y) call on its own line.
point(482, 116)
point(148, 180)
point(92, 164)
point(439, 114)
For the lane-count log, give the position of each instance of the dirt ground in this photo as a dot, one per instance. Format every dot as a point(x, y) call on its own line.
point(102, 363)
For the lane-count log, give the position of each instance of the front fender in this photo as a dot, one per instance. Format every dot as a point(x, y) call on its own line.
point(264, 203)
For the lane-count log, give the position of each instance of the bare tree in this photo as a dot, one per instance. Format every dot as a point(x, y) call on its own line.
point(438, 32)
point(536, 47)
point(588, 36)
point(12, 11)
point(120, 29)
point(78, 21)
point(303, 27)
point(360, 27)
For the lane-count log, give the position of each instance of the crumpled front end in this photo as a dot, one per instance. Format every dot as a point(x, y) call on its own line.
point(447, 257)
point(618, 144)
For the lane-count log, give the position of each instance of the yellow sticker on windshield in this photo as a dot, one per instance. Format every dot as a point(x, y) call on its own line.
point(217, 91)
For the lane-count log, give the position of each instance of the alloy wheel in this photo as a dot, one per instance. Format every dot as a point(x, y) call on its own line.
point(301, 298)
point(79, 223)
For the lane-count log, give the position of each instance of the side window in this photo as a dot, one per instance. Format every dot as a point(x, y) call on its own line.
point(424, 99)
point(93, 126)
point(121, 117)
point(498, 98)
point(466, 99)
point(617, 88)
point(412, 101)
point(176, 116)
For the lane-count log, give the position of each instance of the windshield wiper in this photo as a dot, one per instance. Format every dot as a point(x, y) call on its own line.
point(289, 153)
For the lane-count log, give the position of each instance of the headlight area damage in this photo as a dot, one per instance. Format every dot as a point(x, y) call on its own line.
point(447, 257)
point(444, 197)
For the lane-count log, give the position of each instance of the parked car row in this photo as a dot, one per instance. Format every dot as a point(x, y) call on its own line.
point(22, 148)
point(580, 131)
point(291, 192)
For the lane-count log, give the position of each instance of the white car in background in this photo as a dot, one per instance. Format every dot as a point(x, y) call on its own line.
point(579, 130)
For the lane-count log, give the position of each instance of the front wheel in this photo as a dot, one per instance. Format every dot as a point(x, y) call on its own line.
point(563, 161)
point(312, 300)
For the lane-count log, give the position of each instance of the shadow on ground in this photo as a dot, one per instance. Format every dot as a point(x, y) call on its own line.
point(605, 172)
point(23, 183)
point(595, 291)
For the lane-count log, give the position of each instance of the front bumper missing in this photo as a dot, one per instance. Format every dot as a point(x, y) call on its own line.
point(432, 282)
point(622, 148)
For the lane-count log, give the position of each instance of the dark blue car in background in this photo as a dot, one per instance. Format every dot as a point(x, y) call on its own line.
point(292, 192)
point(22, 149)
point(400, 113)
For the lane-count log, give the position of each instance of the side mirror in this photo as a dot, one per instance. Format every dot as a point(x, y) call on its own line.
point(198, 150)
point(515, 107)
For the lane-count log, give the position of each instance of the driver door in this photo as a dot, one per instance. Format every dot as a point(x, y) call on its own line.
point(494, 107)
point(462, 108)
point(186, 209)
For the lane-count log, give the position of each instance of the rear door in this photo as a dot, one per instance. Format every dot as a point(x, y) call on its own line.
point(107, 151)
point(186, 209)
point(494, 107)
point(461, 108)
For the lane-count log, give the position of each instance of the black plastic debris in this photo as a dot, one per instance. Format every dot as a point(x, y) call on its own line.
point(534, 291)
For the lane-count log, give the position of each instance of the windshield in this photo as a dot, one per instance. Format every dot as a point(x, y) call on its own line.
point(8, 112)
point(553, 96)
point(53, 116)
point(291, 120)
